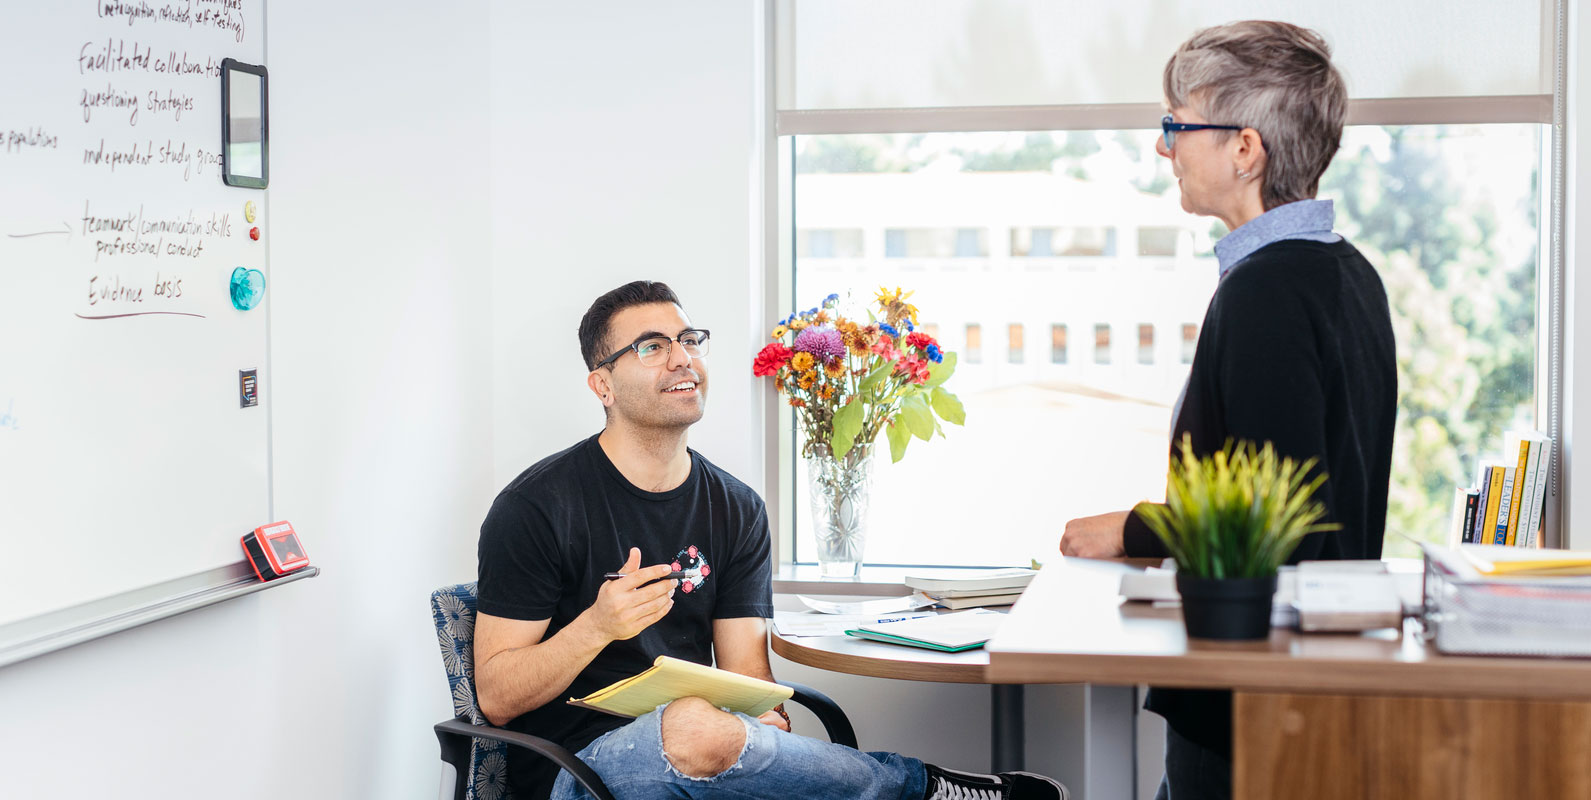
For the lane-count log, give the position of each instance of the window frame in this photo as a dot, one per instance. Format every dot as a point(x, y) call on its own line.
point(779, 128)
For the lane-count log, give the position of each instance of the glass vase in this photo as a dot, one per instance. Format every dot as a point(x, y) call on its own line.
point(838, 489)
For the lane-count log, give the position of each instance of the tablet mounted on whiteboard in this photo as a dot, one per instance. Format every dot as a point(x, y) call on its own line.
point(245, 125)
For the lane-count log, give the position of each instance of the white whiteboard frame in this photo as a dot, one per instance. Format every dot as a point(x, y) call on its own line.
point(56, 630)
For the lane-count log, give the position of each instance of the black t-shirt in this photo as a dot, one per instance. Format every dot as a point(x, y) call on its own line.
point(561, 524)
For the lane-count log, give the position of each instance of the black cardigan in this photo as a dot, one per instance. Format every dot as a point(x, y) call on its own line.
point(1297, 350)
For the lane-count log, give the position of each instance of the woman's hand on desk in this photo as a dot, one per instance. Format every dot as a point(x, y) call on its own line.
point(1099, 536)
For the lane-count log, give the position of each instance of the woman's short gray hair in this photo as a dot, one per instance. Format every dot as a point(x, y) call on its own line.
point(1275, 78)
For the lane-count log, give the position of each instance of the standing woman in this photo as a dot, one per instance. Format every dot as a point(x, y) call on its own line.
point(1296, 347)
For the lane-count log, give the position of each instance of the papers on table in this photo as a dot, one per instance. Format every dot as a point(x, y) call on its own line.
point(804, 623)
point(951, 633)
point(887, 605)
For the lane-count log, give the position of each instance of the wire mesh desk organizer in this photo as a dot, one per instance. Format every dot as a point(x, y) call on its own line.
point(1468, 612)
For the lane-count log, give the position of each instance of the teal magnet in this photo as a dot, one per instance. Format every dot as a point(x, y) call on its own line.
point(248, 288)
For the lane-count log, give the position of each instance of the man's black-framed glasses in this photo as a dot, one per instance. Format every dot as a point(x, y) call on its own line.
point(1170, 129)
point(654, 350)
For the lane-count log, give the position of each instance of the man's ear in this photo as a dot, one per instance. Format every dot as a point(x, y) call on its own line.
point(600, 386)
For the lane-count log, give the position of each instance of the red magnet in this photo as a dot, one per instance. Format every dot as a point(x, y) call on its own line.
point(254, 233)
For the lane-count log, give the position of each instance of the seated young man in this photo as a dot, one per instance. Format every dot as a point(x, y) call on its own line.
point(550, 627)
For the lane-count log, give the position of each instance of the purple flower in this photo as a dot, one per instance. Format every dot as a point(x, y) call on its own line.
point(822, 341)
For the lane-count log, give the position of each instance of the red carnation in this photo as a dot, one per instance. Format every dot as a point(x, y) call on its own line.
point(914, 368)
point(920, 340)
point(771, 359)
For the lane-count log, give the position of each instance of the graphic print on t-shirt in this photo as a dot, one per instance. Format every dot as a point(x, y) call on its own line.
point(692, 558)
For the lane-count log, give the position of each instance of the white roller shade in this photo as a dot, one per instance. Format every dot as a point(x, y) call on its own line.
point(899, 54)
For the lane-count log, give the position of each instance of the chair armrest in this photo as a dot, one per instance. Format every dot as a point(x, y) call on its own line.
point(828, 712)
point(449, 733)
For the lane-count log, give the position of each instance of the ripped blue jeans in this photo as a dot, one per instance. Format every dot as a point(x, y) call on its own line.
point(773, 764)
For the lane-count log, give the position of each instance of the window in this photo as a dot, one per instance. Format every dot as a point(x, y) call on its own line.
point(936, 243)
point(825, 243)
point(1448, 214)
point(1051, 242)
point(1160, 241)
point(1013, 343)
point(1101, 344)
point(1057, 344)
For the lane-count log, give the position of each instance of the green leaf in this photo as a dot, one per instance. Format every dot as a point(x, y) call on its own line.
point(948, 407)
point(847, 424)
point(878, 373)
point(919, 420)
point(941, 372)
point(899, 437)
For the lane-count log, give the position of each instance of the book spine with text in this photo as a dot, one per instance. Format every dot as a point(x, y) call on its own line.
point(1472, 503)
point(1538, 502)
point(1505, 495)
point(1487, 509)
point(1521, 476)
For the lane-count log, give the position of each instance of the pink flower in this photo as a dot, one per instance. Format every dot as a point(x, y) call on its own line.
point(706, 570)
point(675, 566)
point(885, 347)
point(691, 551)
point(914, 368)
point(823, 342)
point(686, 587)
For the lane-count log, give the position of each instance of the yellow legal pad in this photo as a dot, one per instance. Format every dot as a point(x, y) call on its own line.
point(671, 678)
point(1522, 562)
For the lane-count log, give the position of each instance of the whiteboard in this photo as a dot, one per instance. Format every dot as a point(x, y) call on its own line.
point(125, 457)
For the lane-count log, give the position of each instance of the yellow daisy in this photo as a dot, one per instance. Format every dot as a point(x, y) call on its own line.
point(780, 332)
point(801, 362)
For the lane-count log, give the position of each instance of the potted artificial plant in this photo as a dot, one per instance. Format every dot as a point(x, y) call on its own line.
point(1230, 519)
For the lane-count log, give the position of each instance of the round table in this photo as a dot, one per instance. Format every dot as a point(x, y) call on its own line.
point(882, 660)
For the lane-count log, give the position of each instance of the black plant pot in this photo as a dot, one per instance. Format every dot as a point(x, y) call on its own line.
point(1226, 608)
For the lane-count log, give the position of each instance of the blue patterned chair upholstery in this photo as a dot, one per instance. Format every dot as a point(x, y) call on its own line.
point(477, 751)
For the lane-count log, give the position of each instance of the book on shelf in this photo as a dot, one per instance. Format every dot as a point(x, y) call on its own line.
point(948, 633)
point(978, 600)
point(965, 581)
point(1505, 506)
point(672, 678)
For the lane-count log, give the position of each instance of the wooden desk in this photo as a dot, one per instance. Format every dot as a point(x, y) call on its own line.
point(1373, 715)
point(881, 660)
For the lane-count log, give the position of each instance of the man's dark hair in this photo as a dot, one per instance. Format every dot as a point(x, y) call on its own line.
point(594, 331)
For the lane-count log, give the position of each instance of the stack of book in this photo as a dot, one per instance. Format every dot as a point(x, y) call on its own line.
point(972, 589)
point(1505, 505)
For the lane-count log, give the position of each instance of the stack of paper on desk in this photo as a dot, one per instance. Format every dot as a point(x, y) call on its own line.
point(972, 589)
point(951, 633)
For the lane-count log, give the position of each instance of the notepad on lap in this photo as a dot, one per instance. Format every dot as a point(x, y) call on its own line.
point(951, 633)
point(671, 678)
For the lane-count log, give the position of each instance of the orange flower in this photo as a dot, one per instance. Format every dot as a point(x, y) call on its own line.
point(825, 391)
point(834, 369)
point(798, 402)
point(807, 379)
point(801, 362)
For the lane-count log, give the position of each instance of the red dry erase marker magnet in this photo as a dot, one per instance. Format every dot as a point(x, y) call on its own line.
point(274, 550)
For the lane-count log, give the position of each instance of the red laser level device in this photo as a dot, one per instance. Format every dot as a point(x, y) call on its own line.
point(274, 550)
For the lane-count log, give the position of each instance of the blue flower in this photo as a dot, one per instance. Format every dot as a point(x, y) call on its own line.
point(910, 326)
point(889, 329)
point(934, 355)
point(831, 301)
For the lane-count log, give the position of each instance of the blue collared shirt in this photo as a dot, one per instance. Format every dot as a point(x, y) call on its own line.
point(1310, 220)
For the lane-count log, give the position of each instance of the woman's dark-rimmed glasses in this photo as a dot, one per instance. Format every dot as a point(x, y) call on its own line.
point(1169, 130)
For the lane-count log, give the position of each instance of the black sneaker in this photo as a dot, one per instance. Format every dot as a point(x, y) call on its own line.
point(949, 784)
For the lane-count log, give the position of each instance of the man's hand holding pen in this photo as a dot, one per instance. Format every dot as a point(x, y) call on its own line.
point(630, 604)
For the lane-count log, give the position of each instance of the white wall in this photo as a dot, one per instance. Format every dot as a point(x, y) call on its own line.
point(379, 281)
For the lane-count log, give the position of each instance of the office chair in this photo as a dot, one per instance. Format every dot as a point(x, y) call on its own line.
point(475, 752)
